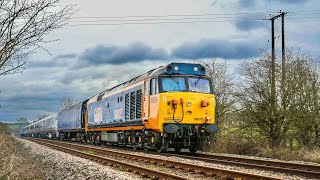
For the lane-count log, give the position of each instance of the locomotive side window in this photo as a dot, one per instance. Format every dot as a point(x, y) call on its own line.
point(157, 86)
point(146, 89)
point(153, 87)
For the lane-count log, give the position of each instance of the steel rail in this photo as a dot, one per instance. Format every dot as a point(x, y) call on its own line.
point(208, 171)
point(310, 168)
point(144, 172)
point(305, 170)
point(299, 169)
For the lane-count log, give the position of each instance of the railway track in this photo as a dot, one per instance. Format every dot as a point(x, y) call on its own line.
point(102, 155)
point(299, 169)
point(306, 170)
point(291, 168)
point(144, 172)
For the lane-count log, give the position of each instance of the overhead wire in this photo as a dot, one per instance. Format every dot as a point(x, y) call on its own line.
point(180, 18)
point(172, 15)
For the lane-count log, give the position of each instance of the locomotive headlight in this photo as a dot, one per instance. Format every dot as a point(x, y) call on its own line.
point(195, 68)
point(176, 68)
point(207, 118)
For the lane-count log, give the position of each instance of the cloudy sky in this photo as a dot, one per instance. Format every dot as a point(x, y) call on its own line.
point(108, 42)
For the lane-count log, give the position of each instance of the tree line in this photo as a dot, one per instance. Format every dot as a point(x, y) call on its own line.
point(244, 103)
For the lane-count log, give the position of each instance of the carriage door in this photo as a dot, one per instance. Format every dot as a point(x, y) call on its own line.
point(146, 98)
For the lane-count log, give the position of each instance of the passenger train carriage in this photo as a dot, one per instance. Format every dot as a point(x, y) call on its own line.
point(167, 107)
point(71, 122)
point(46, 127)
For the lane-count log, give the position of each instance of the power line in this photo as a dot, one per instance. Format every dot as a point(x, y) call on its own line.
point(139, 23)
point(170, 19)
point(170, 15)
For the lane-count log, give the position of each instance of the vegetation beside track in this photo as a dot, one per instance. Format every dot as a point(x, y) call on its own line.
point(15, 162)
point(250, 124)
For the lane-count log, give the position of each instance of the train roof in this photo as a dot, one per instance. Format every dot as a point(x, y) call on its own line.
point(170, 69)
point(43, 119)
point(71, 107)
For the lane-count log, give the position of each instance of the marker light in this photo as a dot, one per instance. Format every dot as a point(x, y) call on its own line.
point(195, 68)
point(176, 68)
point(204, 103)
point(174, 103)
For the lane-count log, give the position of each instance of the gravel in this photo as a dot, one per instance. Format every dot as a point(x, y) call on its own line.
point(220, 166)
point(60, 165)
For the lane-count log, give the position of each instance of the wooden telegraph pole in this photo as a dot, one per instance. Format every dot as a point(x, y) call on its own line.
point(283, 65)
point(273, 62)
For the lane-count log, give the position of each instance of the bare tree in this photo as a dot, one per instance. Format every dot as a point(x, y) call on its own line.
point(22, 120)
point(42, 116)
point(223, 87)
point(67, 102)
point(23, 26)
point(299, 116)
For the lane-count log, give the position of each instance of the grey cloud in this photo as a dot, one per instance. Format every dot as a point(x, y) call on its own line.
point(246, 24)
point(66, 56)
point(135, 52)
point(59, 60)
point(70, 76)
point(247, 3)
point(208, 48)
point(289, 1)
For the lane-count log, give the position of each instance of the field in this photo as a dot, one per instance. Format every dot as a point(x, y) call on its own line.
point(14, 161)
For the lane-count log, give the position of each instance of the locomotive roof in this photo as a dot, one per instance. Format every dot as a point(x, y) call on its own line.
point(170, 69)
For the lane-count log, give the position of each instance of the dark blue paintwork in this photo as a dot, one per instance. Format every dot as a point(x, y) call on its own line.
point(183, 68)
point(70, 119)
point(109, 111)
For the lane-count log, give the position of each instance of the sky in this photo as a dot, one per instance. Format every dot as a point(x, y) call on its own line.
point(108, 42)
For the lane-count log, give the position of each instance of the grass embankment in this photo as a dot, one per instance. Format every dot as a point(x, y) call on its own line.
point(14, 159)
point(237, 143)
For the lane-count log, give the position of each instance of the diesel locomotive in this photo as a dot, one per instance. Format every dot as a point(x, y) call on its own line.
point(171, 106)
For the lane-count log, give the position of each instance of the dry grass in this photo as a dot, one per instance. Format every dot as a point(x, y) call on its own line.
point(235, 141)
point(15, 162)
point(236, 144)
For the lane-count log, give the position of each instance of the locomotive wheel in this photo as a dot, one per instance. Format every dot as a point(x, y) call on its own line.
point(145, 148)
point(193, 149)
point(160, 150)
point(177, 149)
point(135, 147)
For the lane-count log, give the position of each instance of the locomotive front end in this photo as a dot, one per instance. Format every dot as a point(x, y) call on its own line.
point(186, 107)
